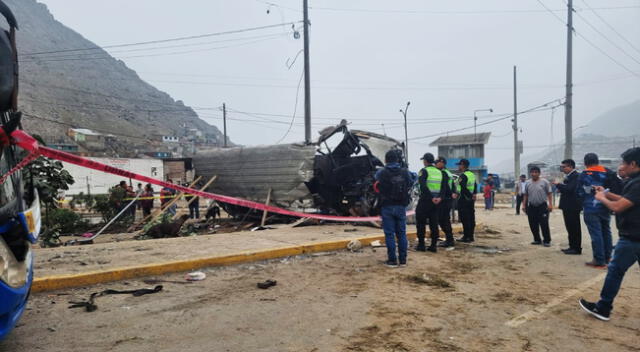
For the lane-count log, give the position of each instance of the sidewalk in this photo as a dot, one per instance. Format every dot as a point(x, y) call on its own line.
point(78, 266)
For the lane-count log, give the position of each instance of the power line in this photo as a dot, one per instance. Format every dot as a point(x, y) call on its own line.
point(610, 26)
point(589, 41)
point(455, 12)
point(109, 57)
point(542, 107)
point(607, 38)
point(165, 40)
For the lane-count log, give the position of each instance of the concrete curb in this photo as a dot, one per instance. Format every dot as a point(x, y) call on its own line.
point(58, 282)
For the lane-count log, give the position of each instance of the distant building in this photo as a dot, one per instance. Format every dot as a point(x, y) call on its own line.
point(178, 170)
point(90, 140)
point(464, 146)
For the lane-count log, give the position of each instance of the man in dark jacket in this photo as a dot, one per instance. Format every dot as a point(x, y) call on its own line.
point(444, 208)
point(466, 201)
point(394, 183)
point(627, 206)
point(596, 215)
point(571, 206)
point(433, 183)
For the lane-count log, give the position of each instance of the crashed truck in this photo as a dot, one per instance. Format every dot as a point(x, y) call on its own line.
point(334, 175)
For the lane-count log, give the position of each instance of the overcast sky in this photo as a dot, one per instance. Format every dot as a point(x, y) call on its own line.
point(369, 57)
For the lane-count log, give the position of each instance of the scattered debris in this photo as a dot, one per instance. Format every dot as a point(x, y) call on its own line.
point(260, 228)
point(267, 284)
point(488, 249)
point(350, 230)
point(195, 276)
point(377, 244)
point(90, 305)
point(323, 254)
point(354, 245)
point(157, 281)
point(433, 281)
point(487, 229)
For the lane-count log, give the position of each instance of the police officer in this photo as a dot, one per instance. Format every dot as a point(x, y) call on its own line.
point(444, 208)
point(466, 201)
point(432, 183)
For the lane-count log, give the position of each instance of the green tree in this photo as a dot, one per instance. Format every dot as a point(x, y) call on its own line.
point(48, 176)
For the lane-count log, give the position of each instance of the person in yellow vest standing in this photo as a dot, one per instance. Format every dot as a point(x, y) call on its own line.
point(466, 201)
point(449, 193)
point(432, 183)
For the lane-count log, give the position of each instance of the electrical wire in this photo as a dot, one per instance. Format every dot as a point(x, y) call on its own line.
point(593, 10)
point(589, 41)
point(453, 12)
point(295, 108)
point(607, 38)
point(542, 107)
point(165, 40)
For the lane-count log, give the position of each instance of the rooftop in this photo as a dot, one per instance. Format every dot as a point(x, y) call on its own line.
point(462, 139)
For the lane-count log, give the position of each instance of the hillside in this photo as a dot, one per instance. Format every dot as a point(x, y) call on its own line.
point(608, 135)
point(622, 121)
point(90, 89)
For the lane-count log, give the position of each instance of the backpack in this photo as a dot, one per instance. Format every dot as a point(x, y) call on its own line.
point(394, 186)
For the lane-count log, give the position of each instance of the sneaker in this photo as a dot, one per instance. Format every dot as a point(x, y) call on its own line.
point(421, 248)
point(433, 249)
point(547, 244)
point(391, 264)
point(592, 309)
point(596, 265)
point(403, 264)
point(571, 251)
point(536, 243)
point(445, 244)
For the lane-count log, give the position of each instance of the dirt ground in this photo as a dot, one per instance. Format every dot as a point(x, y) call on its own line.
point(460, 300)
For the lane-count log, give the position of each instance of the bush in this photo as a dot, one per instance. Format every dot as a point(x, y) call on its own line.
point(67, 221)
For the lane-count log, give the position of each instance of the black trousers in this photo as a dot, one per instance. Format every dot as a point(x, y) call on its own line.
point(574, 229)
point(444, 219)
point(539, 220)
point(426, 211)
point(519, 198)
point(467, 214)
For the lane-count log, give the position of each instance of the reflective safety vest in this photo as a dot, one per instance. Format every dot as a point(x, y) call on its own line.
point(450, 179)
point(434, 179)
point(471, 181)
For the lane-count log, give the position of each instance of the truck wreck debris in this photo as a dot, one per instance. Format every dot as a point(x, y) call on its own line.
point(334, 175)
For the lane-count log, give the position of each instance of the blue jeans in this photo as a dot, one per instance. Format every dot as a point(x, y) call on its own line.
point(394, 225)
point(626, 254)
point(600, 232)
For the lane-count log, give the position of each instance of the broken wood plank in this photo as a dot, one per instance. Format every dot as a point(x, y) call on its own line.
point(195, 197)
point(264, 214)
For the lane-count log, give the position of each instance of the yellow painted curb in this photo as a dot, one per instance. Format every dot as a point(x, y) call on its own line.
point(58, 282)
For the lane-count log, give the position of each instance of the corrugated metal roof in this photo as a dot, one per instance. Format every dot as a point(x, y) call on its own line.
point(462, 139)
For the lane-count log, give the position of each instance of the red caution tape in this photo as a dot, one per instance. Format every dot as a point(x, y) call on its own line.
point(27, 142)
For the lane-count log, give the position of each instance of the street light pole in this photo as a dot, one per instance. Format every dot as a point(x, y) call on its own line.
point(475, 119)
point(406, 138)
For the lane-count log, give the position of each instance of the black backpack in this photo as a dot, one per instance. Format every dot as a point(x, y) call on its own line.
point(394, 186)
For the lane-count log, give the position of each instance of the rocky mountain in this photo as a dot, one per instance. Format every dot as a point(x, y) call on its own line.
point(90, 89)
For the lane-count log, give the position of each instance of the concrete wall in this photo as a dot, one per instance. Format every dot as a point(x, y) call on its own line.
point(99, 182)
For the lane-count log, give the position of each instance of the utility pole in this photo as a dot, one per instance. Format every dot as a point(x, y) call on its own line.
point(307, 80)
point(516, 145)
point(406, 138)
point(224, 119)
point(568, 105)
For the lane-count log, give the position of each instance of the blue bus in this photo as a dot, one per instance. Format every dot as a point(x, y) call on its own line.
point(19, 204)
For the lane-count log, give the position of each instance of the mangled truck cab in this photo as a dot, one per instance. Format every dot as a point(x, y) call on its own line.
point(334, 175)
